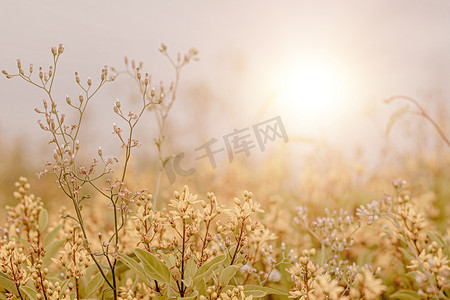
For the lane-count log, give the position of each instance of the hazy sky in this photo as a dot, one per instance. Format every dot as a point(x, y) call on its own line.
point(375, 49)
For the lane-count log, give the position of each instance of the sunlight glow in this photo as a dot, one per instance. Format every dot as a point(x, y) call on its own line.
point(312, 90)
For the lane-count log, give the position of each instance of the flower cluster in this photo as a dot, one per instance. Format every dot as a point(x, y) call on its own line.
point(150, 245)
point(431, 263)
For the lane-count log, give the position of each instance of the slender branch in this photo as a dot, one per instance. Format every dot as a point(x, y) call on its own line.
point(423, 113)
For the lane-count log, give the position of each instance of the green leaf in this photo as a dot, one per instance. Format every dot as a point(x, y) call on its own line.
point(30, 292)
point(121, 267)
point(261, 291)
point(133, 265)
point(228, 273)
point(436, 238)
point(190, 270)
point(407, 254)
point(91, 271)
point(64, 285)
point(169, 259)
point(206, 270)
point(52, 235)
point(200, 287)
point(94, 285)
point(405, 295)
point(187, 282)
point(7, 284)
point(51, 252)
point(411, 274)
point(153, 267)
point(43, 220)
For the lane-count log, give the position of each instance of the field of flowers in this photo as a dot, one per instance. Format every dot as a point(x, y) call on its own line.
point(101, 231)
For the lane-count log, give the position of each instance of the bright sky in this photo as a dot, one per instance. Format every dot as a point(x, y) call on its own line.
point(323, 66)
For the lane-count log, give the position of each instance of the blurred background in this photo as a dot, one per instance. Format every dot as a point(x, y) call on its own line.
point(323, 67)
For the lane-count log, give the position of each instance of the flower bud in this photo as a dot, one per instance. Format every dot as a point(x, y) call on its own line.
point(117, 129)
point(41, 125)
point(54, 51)
point(19, 64)
point(31, 68)
point(138, 73)
point(60, 49)
point(161, 98)
point(89, 81)
point(100, 152)
point(68, 100)
point(81, 98)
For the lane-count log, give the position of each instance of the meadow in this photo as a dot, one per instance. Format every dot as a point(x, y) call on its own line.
point(114, 227)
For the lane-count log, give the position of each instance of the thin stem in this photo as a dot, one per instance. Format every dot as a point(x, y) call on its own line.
point(16, 281)
point(423, 113)
point(161, 117)
point(77, 288)
point(238, 242)
point(42, 285)
point(158, 182)
point(182, 289)
point(55, 61)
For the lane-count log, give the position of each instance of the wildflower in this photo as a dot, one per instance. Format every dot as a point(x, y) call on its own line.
point(325, 288)
point(274, 276)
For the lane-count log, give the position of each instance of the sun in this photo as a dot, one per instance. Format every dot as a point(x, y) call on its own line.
point(312, 87)
point(310, 92)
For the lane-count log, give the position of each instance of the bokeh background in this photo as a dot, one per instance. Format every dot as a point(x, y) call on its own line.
point(324, 67)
